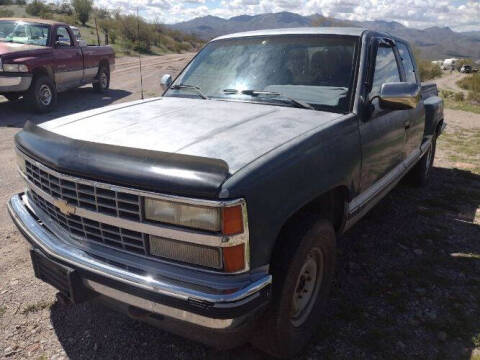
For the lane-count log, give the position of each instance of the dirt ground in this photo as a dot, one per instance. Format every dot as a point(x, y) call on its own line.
point(408, 281)
point(448, 81)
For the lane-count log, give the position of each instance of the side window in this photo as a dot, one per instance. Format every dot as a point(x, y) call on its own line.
point(386, 69)
point(407, 62)
point(63, 37)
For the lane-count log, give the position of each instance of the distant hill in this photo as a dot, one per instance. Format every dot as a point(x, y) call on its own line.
point(434, 42)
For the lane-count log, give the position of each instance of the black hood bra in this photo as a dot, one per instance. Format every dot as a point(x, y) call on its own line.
point(156, 171)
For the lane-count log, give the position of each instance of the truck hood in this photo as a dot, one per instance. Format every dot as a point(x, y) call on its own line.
point(235, 132)
point(13, 48)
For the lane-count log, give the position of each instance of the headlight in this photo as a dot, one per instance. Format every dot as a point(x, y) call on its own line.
point(204, 218)
point(15, 68)
point(228, 220)
point(21, 163)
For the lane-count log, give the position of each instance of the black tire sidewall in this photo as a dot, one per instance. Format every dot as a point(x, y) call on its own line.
point(420, 176)
point(284, 339)
point(33, 94)
point(97, 85)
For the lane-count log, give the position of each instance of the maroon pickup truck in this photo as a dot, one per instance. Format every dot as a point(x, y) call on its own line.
point(40, 58)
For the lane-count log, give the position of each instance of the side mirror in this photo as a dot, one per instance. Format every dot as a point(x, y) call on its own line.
point(166, 81)
point(400, 95)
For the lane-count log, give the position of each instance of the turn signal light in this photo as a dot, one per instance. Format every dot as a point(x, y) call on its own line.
point(234, 258)
point(232, 218)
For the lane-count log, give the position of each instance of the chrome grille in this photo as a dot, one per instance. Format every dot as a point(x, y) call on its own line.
point(86, 229)
point(109, 202)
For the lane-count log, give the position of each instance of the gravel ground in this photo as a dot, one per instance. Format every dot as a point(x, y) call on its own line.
point(408, 280)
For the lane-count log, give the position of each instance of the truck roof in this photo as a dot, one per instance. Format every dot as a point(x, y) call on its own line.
point(348, 31)
point(34, 20)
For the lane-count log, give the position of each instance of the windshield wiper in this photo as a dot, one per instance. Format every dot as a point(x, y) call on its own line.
point(299, 103)
point(190, 87)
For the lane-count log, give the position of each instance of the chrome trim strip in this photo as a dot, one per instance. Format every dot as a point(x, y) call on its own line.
point(361, 204)
point(158, 308)
point(162, 230)
point(190, 236)
point(88, 245)
point(10, 81)
point(56, 248)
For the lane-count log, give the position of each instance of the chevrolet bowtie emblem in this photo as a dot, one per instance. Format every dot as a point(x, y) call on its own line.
point(64, 207)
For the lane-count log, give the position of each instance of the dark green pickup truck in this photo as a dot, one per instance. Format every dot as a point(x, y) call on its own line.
point(213, 211)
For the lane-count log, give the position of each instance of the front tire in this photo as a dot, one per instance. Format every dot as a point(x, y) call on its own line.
point(303, 269)
point(102, 82)
point(42, 95)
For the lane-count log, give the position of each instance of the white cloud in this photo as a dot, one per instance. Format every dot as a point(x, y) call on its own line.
point(460, 15)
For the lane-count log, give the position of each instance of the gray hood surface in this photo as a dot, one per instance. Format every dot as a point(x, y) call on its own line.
point(235, 132)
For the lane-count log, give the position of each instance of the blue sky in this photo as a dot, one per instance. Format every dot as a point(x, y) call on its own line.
point(460, 15)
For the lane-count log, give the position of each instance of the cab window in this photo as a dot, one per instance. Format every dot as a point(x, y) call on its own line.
point(386, 69)
point(407, 62)
point(63, 38)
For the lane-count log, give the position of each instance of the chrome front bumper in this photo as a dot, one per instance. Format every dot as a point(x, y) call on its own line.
point(10, 83)
point(62, 251)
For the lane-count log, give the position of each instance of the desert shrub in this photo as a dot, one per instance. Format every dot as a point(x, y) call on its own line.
point(471, 83)
point(37, 8)
point(83, 9)
point(459, 96)
point(428, 71)
point(447, 94)
point(6, 13)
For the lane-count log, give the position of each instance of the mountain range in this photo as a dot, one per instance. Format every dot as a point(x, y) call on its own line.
point(433, 43)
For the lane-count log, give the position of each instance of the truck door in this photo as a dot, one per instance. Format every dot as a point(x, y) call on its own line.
point(382, 132)
point(68, 60)
point(416, 126)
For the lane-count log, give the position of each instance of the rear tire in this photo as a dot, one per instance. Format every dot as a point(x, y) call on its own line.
point(102, 82)
point(42, 95)
point(420, 174)
point(303, 269)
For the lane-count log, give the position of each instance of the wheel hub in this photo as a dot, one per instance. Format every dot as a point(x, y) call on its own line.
point(306, 290)
point(45, 95)
point(103, 80)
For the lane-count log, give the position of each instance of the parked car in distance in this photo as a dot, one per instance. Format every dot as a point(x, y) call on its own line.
point(213, 211)
point(40, 58)
point(466, 69)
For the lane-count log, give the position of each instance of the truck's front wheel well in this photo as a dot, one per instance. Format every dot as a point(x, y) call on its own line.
point(438, 130)
point(104, 64)
point(43, 72)
point(329, 206)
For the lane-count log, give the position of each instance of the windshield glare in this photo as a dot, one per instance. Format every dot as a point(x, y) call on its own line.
point(317, 70)
point(24, 33)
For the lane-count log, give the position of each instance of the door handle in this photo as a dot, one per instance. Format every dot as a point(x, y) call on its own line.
point(407, 125)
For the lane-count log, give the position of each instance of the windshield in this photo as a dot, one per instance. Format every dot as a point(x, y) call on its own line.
point(316, 70)
point(24, 33)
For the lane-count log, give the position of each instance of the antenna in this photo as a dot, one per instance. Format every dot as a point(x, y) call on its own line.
point(139, 55)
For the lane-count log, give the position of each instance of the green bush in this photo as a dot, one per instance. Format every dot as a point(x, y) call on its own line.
point(6, 13)
point(428, 71)
point(459, 96)
point(37, 8)
point(83, 9)
point(471, 83)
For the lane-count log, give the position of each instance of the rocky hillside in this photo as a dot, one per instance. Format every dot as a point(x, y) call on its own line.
point(434, 43)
